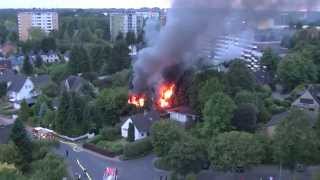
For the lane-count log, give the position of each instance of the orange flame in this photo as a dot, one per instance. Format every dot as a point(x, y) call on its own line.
point(137, 100)
point(166, 92)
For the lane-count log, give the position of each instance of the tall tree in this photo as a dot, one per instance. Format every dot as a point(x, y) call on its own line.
point(295, 141)
point(245, 118)
point(131, 38)
point(22, 142)
point(38, 62)
point(27, 66)
point(296, 69)
point(239, 78)
point(186, 156)
point(24, 112)
point(209, 87)
point(60, 124)
point(120, 58)
point(271, 60)
point(217, 114)
point(79, 60)
point(163, 135)
point(235, 149)
point(131, 132)
point(3, 89)
point(48, 44)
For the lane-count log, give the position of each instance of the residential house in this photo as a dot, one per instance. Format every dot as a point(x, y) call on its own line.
point(142, 123)
point(20, 87)
point(309, 100)
point(50, 57)
point(278, 118)
point(5, 131)
point(78, 84)
point(183, 115)
point(5, 65)
point(16, 62)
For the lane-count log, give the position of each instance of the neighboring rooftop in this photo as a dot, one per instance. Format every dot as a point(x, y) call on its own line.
point(144, 121)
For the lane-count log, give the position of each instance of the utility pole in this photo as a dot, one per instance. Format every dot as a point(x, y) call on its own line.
point(280, 171)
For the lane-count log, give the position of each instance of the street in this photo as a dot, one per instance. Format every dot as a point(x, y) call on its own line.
point(142, 169)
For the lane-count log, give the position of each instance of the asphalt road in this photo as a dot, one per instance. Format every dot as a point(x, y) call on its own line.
point(141, 169)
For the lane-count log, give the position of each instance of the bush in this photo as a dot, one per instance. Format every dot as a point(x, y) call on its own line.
point(137, 149)
point(191, 177)
point(114, 147)
point(110, 133)
point(162, 164)
point(96, 149)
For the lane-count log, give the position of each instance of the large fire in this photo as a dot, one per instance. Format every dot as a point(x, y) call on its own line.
point(165, 95)
point(137, 100)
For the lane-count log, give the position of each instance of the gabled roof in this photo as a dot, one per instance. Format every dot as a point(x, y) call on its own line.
point(5, 131)
point(278, 118)
point(315, 92)
point(182, 110)
point(74, 83)
point(144, 121)
point(40, 80)
point(17, 81)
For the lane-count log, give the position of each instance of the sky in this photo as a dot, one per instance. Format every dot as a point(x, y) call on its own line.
point(83, 3)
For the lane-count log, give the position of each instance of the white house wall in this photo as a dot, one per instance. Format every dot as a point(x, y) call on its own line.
point(306, 95)
point(137, 134)
point(26, 91)
point(178, 117)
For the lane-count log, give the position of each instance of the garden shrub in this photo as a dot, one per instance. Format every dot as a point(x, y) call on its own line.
point(137, 149)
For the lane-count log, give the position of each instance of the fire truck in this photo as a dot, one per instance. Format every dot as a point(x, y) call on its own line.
point(110, 174)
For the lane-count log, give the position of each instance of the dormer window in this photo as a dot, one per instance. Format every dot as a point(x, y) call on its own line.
point(306, 101)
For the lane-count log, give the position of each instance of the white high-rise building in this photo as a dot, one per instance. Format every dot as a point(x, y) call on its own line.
point(129, 22)
point(123, 23)
point(47, 21)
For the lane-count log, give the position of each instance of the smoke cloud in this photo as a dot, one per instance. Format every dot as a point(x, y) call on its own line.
point(189, 22)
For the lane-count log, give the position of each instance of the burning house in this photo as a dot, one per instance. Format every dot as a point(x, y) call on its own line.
point(174, 49)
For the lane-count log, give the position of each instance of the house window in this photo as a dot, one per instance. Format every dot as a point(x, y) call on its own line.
point(306, 101)
point(142, 134)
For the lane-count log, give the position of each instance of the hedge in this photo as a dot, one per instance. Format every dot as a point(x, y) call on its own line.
point(137, 149)
point(96, 149)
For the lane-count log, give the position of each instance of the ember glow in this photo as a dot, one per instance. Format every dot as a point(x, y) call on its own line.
point(165, 96)
point(137, 100)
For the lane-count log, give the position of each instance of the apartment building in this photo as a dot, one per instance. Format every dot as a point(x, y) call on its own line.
point(45, 20)
point(132, 21)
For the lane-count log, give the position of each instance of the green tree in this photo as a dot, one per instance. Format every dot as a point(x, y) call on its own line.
point(23, 144)
point(3, 89)
point(38, 61)
point(50, 166)
point(270, 60)
point(245, 118)
point(246, 97)
point(239, 78)
point(8, 153)
point(61, 125)
point(235, 149)
point(163, 135)
point(209, 87)
point(217, 114)
point(120, 37)
point(295, 141)
point(131, 38)
point(24, 112)
point(112, 103)
point(186, 156)
point(79, 60)
point(36, 34)
point(120, 58)
point(295, 69)
point(131, 133)
point(48, 44)
point(27, 66)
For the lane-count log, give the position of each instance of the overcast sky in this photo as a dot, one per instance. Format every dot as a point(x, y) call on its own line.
point(83, 3)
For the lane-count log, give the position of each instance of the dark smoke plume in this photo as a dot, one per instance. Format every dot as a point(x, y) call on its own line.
point(190, 21)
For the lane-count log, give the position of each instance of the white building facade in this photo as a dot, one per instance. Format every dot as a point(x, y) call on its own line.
point(46, 21)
